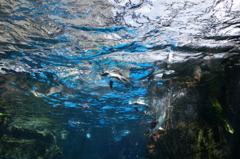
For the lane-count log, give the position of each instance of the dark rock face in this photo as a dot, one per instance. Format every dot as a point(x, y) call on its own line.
point(27, 138)
point(194, 140)
point(18, 142)
point(2, 90)
point(204, 123)
point(232, 69)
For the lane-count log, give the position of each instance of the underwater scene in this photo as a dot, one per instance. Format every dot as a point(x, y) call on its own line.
point(119, 79)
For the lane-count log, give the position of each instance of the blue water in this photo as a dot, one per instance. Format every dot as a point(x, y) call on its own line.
point(52, 53)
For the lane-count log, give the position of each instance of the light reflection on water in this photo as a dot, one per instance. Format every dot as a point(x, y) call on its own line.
point(52, 53)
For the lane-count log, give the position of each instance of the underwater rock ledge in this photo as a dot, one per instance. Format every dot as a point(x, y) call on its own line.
point(19, 143)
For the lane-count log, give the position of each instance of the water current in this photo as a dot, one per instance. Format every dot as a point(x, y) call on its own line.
point(59, 58)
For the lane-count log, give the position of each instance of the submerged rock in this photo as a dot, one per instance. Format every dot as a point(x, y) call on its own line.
point(19, 142)
point(202, 122)
point(196, 140)
point(26, 131)
point(2, 90)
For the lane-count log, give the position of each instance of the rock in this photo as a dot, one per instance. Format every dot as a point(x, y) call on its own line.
point(2, 90)
point(203, 121)
point(19, 142)
point(196, 140)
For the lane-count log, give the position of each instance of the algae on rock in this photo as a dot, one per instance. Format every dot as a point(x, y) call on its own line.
point(198, 122)
point(27, 132)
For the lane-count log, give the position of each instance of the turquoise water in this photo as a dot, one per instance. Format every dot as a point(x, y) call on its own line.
point(52, 54)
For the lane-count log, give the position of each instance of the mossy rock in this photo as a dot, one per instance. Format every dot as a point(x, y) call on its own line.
point(196, 140)
point(21, 143)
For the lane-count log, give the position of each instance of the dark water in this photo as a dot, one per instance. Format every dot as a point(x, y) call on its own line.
point(52, 54)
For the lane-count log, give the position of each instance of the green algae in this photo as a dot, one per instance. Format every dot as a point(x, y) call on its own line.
point(219, 114)
point(26, 130)
point(2, 114)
